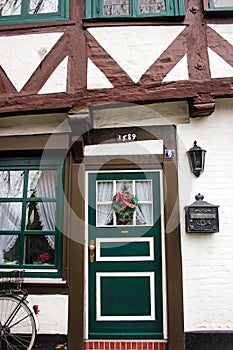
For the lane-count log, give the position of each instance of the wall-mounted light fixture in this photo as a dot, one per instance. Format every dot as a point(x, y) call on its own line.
point(197, 159)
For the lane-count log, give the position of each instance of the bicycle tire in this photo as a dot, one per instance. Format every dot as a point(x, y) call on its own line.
point(17, 324)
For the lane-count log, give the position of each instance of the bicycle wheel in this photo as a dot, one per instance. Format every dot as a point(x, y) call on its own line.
point(17, 324)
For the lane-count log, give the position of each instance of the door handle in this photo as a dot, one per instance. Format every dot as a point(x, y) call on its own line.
point(92, 251)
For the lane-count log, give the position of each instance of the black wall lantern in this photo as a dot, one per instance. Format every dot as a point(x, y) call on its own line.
point(197, 159)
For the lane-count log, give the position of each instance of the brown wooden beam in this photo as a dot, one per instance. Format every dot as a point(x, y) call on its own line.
point(83, 98)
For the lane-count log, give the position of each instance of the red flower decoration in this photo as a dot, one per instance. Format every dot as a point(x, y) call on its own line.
point(44, 258)
point(125, 198)
point(124, 203)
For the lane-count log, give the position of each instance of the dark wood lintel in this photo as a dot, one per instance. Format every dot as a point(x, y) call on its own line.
point(135, 93)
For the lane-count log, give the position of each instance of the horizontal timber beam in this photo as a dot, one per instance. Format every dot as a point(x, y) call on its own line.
point(128, 93)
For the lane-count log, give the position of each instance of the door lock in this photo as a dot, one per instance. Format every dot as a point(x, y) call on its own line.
point(92, 250)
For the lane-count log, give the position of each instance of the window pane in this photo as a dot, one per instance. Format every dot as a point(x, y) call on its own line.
point(39, 249)
point(144, 214)
point(143, 190)
point(43, 6)
point(10, 216)
point(152, 6)
point(104, 191)
point(223, 3)
point(116, 7)
point(9, 249)
point(42, 183)
point(41, 216)
point(125, 186)
point(104, 215)
point(124, 220)
point(11, 183)
point(10, 7)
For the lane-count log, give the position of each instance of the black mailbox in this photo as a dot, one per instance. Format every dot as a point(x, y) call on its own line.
point(201, 217)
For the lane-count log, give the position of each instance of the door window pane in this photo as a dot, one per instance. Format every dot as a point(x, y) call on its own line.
point(104, 215)
point(116, 7)
point(104, 191)
point(143, 190)
point(144, 214)
point(124, 202)
point(123, 185)
point(152, 6)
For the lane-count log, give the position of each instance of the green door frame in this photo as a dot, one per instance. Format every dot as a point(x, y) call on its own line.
point(175, 322)
point(156, 176)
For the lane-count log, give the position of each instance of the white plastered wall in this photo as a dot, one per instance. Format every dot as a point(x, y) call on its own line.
point(53, 314)
point(207, 258)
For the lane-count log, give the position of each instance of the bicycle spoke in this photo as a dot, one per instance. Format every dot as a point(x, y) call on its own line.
point(17, 327)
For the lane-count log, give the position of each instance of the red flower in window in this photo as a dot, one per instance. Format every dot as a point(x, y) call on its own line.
point(44, 258)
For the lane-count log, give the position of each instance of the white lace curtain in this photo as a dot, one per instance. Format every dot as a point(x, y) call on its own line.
point(104, 210)
point(144, 210)
point(10, 213)
point(143, 193)
point(43, 183)
point(46, 188)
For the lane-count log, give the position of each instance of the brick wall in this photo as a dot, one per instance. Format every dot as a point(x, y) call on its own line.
point(125, 345)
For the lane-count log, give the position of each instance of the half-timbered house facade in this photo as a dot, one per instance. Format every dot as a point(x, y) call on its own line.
point(100, 102)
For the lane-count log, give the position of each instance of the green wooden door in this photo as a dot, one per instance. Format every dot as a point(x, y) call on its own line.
point(124, 256)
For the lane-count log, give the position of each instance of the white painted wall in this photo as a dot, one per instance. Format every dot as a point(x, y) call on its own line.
point(135, 49)
point(208, 259)
point(20, 55)
point(53, 315)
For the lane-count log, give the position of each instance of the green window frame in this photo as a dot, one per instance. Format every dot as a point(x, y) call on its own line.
point(29, 240)
point(173, 8)
point(23, 14)
point(220, 9)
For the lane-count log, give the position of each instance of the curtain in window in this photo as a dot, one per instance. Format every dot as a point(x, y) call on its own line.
point(46, 188)
point(104, 210)
point(116, 7)
point(152, 6)
point(144, 210)
point(11, 184)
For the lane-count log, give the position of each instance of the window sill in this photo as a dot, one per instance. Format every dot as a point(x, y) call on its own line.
point(218, 13)
point(14, 26)
point(46, 286)
point(41, 280)
point(131, 21)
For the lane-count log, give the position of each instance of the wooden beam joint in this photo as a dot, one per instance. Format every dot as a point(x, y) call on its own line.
point(202, 105)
